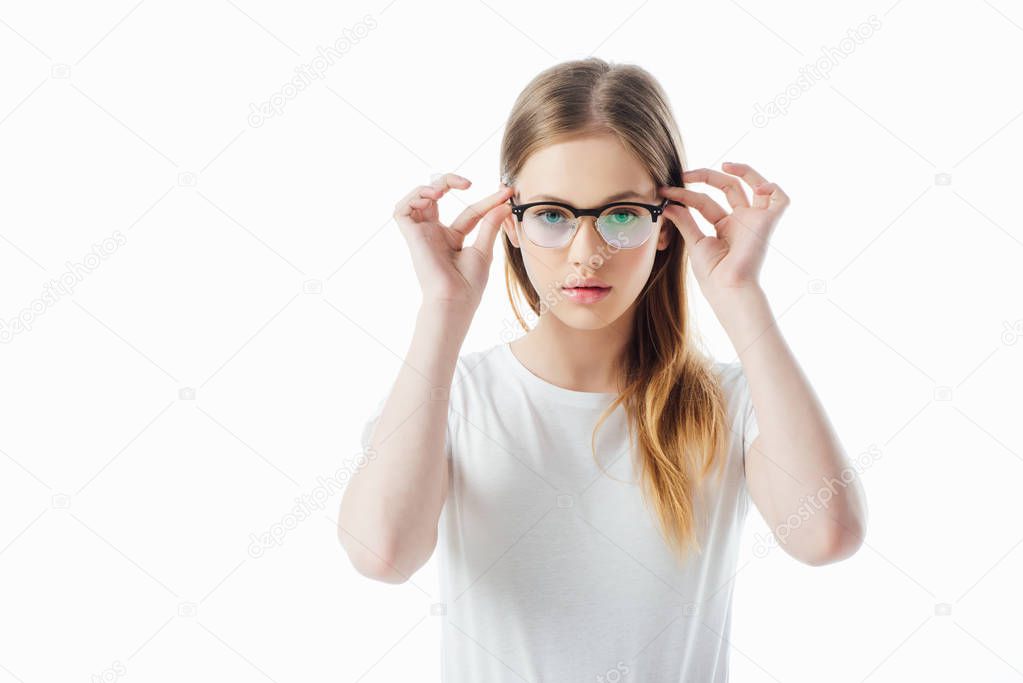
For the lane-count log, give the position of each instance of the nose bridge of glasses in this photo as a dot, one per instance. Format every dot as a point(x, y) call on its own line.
point(579, 224)
point(595, 214)
point(583, 244)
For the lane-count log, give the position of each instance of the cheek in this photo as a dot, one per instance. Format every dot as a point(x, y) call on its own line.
point(539, 271)
point(629, 270)
point(543, 263)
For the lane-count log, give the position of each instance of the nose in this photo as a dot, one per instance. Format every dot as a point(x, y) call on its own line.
point(586, 242)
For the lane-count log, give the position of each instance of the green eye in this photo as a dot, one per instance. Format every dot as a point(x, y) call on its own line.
point(620, 217)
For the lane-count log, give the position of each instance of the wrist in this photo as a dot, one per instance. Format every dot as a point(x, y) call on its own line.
point(447, 315)
point(728, 299)
point(744, 312)
point(449, 307)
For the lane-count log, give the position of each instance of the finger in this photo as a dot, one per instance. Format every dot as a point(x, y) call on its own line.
point(449, 180)
point(427, 202)
point(440, 184)
point(744, 171)
point(710, 209)
point(467, 220)
point(771, 196)
point(404, 206)
point(748, 174)
point(683, 220)
point(730, 185)
point(490, 226)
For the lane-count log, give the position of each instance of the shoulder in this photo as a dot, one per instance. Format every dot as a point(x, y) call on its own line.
point(470, 360)
point(729, 373)
point(477, 372)
point(732, 379)
point(485, 362)
point(727, 369)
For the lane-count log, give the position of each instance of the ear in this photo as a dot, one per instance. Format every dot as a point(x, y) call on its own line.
point(664, 235)
point(508, 225)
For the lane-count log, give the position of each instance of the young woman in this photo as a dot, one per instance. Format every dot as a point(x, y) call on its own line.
point(585, 485)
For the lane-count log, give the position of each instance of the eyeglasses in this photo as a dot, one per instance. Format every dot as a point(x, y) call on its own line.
point(623, 225)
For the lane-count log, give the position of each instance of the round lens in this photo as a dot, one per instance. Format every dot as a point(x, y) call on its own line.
point(625, 227)
point(548, 225)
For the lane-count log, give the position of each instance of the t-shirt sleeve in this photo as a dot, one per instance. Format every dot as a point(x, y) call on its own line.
point(750, 427)
point(744, 426)
point(370, 424)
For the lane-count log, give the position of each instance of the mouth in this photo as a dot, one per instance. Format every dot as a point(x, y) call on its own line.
point(586, 295)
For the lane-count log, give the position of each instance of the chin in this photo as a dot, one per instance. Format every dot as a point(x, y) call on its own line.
point(587, 317)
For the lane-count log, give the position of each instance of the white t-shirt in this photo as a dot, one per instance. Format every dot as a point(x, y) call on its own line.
point(551, 570)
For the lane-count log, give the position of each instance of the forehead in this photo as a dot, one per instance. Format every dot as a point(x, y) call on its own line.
point(583, 171)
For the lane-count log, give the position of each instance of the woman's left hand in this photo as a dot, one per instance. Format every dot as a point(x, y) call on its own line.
point(732, 258)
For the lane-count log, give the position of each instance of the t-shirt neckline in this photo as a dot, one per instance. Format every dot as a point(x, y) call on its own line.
point(586, 399)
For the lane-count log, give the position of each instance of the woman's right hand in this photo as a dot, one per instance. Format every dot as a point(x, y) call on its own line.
point(449, 273)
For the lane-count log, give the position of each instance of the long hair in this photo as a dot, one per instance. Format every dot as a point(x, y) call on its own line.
point(673, 401)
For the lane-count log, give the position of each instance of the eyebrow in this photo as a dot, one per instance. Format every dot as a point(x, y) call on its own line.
point(607, 200)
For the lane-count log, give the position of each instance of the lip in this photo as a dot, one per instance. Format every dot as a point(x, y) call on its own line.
point(586, 282)
point(586, 295)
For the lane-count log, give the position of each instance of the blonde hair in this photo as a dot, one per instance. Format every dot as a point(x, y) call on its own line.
point(672, 398)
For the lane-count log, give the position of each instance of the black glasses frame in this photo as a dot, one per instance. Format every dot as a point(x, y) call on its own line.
point(655, 212)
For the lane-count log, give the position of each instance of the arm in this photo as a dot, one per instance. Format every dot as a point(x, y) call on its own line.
point(389, 512)
point(796, 465)
point(796, 468)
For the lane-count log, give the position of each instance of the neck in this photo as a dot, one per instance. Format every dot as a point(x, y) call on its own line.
point(576, 359)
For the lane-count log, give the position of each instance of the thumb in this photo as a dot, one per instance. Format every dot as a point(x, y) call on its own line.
point(489, 226)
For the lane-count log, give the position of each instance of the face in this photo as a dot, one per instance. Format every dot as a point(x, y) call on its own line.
point(585, 173)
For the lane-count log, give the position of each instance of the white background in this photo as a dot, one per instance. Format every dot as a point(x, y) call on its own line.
point(220, 362)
